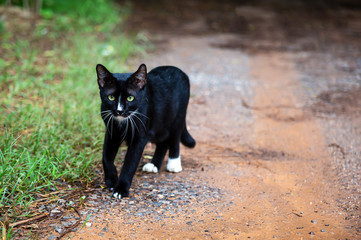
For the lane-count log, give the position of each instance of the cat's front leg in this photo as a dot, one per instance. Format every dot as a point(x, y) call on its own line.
point(156, 164)
point(110, 149)
point(131, 161)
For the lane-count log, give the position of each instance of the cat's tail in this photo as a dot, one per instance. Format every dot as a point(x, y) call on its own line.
point(187, 139)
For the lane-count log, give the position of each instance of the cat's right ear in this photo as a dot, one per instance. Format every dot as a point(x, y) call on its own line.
point(104, 76)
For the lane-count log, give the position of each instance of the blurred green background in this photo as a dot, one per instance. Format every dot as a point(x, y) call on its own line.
point(51, 132)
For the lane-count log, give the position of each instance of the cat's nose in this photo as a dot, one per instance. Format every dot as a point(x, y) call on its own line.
point(120, 109)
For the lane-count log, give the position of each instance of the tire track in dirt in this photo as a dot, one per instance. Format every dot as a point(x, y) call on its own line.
point(304, 181)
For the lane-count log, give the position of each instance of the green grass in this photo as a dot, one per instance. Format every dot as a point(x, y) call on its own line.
point(50, 128)
point(89, 14)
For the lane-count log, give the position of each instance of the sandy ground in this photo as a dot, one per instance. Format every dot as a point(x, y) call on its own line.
point(275, 110)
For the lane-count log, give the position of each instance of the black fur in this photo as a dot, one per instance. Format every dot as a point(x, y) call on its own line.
point(157, 114)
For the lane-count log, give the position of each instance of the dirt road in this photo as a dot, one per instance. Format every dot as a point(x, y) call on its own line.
point(275, 110)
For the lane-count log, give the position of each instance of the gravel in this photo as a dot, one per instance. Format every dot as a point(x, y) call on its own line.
point(158, 195)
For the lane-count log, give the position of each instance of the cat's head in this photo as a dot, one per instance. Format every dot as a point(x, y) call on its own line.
point(121, 94)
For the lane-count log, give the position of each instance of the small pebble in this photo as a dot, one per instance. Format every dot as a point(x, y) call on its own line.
point(61, 201)
point(322, 230)
point(313, 221)
point(68, 224)
point(68, 216)
point(51, 237)
point(58, 228)
point(88, 224)
point(40, 208)
point(311, 233)
point(54, 212)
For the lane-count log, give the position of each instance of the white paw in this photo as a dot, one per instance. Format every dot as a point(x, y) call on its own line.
point(117, 195)
point(174, 165)
point(149, 167)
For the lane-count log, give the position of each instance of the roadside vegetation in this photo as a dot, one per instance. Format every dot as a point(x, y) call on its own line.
point(50, 129)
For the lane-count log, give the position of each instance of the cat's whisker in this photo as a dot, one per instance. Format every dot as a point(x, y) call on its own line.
point(108, 123)
point(106, 114)
point(111, 125)
point(125, 131)
point(111, 134)
point(140, 120)
point(120, 123)
point(106, 111)
point(126, 128)
point(103, 113)
point(141, 114)
point(133, 129)
point(135, 124)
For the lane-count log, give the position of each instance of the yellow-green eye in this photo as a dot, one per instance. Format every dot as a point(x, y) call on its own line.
point(111, 97)
point(130, 98)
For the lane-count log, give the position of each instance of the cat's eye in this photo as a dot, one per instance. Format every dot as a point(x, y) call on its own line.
point(130, 98)
point(111, 97)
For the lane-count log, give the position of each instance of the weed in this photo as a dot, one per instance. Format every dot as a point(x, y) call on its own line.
point(85, 221)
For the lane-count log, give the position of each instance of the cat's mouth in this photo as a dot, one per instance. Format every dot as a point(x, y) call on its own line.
point(120, 117)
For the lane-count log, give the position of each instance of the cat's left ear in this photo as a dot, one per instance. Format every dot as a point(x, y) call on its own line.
point(139, 78)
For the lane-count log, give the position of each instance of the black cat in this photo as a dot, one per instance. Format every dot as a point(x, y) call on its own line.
point(139, 108)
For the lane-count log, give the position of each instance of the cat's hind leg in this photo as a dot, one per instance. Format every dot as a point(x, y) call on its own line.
point(174, 161)
point(174, 165)
point(156, 164)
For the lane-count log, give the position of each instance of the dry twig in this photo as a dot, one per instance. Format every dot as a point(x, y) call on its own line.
point(69, 229)
point(29, 220)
